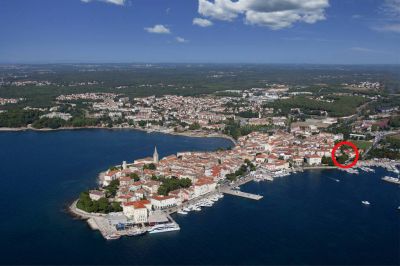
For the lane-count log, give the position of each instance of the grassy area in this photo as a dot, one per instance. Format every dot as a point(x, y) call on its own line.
point(362, 144)
point(341, 105)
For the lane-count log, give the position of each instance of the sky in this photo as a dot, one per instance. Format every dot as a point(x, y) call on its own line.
point(200, 31)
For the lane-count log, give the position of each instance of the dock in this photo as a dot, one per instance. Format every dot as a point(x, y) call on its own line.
point(241, 194)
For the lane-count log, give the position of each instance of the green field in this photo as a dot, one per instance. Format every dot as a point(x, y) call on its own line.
point(362, 144)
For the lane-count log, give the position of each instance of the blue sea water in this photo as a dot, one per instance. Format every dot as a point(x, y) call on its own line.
point(306, 218)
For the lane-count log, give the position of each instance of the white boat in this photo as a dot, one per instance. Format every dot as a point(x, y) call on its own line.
point(365, 202)
point(214, 199)
point(112, 236)
point(182, 212)
point(197, 209)
point(186, 209)
point(137, 233)
point(391, 179)
point(161, 228)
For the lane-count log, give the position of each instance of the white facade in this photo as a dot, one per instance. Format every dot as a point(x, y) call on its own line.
point(313, 160)
point(162, 202)
point(138, 211)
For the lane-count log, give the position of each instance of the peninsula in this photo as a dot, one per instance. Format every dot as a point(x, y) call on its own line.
point(138, 197)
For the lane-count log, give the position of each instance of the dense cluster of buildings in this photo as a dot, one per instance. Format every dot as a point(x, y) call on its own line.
point(278, 152)
point(4, 101)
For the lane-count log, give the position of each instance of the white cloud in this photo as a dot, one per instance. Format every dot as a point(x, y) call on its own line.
point(391, 12)
point(159, 29)
point(202, 22)
point(115, 2)
point(362, 49)
point(388, 28)
point(181, 40)
point(275, 14)
point(392, 8)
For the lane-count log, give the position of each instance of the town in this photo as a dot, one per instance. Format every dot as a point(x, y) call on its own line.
point(140, 196)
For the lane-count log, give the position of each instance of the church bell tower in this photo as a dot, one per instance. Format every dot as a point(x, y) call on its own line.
point(155, 155)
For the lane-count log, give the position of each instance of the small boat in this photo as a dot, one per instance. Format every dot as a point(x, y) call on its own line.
point(164, 228)
point(182, 212)
point(137, 233)
point(186, 209)
point(365, 202)
point(197, 209)
point(112, 236)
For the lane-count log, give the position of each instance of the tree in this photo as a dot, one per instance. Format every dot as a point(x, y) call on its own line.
point(142, 123)
point(85, 203)
point(231, 177)
point(327, 160)
point(170, 184)
point(116, 207)
point(112, 188)
point(134, 176)
point(103, 205)
point(194, 126)
point(150, 166)
point(112, 168)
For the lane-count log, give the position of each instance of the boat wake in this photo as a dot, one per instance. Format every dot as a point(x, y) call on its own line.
point(334, 179)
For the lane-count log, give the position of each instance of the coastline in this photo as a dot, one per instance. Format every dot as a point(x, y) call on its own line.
point(194, 134)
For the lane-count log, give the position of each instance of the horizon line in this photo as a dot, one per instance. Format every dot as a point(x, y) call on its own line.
point(196, 63)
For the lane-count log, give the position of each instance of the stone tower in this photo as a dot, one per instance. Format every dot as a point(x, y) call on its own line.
point(155, 155)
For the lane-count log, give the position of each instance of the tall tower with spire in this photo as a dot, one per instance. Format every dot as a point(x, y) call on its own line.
point(155, 155)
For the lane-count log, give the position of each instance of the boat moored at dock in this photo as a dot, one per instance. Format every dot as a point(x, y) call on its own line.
point(162, 228)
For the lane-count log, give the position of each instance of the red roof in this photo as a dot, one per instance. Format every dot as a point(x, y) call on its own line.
point(140, 204)
point(160, 198)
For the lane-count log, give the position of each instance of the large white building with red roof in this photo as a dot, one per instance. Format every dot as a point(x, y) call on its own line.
point(163, 202)
point(138, 211)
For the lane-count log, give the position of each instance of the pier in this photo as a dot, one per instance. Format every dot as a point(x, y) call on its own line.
point(241, 194)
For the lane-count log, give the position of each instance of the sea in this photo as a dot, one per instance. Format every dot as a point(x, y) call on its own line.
point(304, 218)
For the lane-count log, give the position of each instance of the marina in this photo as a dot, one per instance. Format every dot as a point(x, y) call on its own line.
point(209, 230)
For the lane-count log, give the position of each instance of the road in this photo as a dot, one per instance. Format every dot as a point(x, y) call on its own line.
point(378, 137)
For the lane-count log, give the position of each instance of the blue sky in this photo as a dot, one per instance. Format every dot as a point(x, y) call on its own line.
point(220, 31)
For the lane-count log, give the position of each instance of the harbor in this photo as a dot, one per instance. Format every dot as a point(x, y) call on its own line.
point(116, 225)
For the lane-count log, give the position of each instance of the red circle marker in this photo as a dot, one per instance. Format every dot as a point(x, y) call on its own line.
point(337, 146)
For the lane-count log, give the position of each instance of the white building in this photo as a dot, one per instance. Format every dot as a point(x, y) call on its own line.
point(96, 194)
point(138, 211)
point(162, 202)
point(204, 186)
point(313, 159)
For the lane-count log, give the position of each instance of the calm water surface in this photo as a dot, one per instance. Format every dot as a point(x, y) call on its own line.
point(306, 218)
